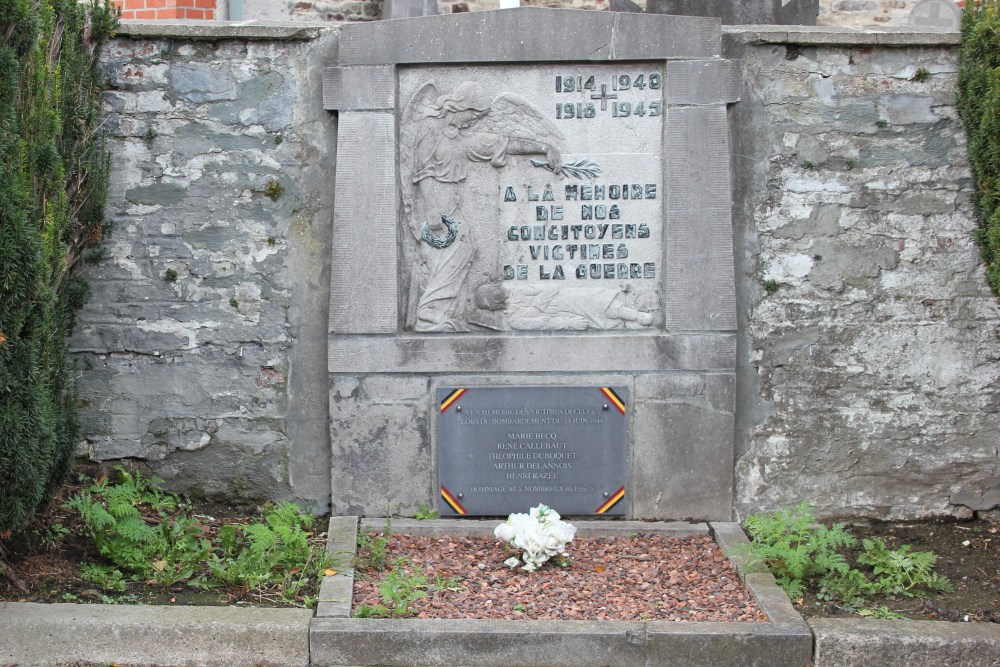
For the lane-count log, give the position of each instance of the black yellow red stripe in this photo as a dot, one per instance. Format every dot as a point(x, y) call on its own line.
point(452, 501)
point(450, 399)
point(615, 498)
point(610, 394)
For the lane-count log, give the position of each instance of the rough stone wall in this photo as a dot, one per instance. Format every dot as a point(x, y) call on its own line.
point(870, 384)
point(854, 13)
point(203, 345)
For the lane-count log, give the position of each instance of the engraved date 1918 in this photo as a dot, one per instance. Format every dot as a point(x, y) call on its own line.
point(607, 96)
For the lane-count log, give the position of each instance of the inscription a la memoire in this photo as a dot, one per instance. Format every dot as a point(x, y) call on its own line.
point(532, 197)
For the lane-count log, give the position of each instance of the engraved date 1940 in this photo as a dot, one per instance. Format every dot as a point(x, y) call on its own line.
point(607, 96)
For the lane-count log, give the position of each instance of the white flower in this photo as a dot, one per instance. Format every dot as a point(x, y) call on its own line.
point(505, 531)
point(539, 534)
point(512, 562)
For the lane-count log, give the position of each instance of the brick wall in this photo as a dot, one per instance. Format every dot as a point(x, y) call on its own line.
point(167, 9)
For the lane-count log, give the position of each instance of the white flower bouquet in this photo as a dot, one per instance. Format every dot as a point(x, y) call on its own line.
point(539, 535)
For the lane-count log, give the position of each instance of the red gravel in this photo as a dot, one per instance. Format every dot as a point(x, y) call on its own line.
point(646, 577)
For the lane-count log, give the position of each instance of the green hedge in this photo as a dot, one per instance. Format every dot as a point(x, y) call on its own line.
point(979, 106)
point(53, 189)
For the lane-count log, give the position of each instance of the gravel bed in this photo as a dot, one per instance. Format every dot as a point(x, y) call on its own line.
point(646, 577)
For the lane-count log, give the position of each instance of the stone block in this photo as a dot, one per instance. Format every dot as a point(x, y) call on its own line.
point(199, 83)
point(533, 353)
point(363, 293)
point(703, 82)
point(720, 391)
point(48, 634)
point(359, 88)
point(389, 388)
point(669, 386)
point(701, 293)
point(681, 462)
point(542, 35)
point(488, 643)
point(842, 641)
point(381, 457)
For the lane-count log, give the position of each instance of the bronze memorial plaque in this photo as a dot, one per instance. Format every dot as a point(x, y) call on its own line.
point(506, 449)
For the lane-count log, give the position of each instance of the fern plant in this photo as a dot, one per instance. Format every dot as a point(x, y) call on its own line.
point(795, 548)
point(901, 571)
point(802, 553)
point(147, 533)
point(275, 550)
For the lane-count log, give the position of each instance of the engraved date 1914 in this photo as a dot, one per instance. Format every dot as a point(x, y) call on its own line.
point(607, 96)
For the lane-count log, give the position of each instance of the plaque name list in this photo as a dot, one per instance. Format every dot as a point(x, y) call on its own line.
point(505, 449)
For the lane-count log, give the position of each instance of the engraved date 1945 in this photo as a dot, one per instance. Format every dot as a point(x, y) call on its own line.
point(600, 93)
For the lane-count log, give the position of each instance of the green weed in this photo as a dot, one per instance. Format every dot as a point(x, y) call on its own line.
point(443, 583)
point(371, 554)
point(400, 589)
point(102, 576)
point(803, 554)
point(795, 548)
point(273, 190)
point(425, 513)
point(901, 571)
point(882, 612)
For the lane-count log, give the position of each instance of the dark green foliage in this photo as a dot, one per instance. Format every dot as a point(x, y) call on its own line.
point(979, 106)
point(164, 544)
point(53, 186)
point(146, 534)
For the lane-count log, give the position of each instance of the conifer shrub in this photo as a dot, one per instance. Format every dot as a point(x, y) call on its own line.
point(53, 189)
point(979, 106)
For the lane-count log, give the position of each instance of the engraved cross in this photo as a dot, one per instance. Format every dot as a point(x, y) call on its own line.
point(603, 96)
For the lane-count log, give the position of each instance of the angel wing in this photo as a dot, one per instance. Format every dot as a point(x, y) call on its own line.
point(411, 130)
point(516, 118)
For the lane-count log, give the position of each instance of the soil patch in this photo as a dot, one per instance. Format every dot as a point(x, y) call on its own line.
point(647, 577)
point(967, 554)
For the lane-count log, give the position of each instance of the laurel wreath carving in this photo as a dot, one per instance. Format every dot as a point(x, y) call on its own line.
point(447, 239)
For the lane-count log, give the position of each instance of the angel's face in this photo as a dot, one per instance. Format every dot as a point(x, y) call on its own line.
point(466, 118)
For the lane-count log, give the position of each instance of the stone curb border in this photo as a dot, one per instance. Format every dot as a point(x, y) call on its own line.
point(46, 635)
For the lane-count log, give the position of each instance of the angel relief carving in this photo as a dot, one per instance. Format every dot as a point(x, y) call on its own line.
point(442, 135)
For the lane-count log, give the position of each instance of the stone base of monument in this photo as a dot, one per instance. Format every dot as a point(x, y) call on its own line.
point(336, 639)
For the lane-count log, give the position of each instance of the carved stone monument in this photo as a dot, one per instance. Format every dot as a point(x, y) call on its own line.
point(520, 220)
point(533, 198)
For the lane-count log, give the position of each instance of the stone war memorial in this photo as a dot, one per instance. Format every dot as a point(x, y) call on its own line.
point(534, 246)
point(630, 265)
